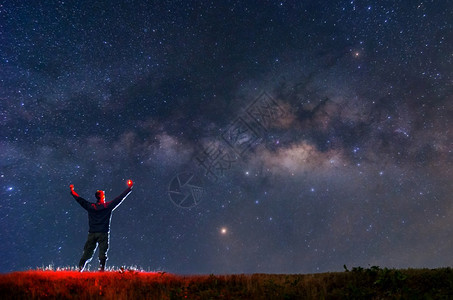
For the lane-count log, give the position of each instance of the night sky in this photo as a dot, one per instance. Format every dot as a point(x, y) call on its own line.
point(262, 136)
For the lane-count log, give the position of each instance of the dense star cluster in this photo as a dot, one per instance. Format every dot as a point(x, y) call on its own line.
point(262, 136)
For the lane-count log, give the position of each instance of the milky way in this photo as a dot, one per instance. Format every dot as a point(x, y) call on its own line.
point(316, 135)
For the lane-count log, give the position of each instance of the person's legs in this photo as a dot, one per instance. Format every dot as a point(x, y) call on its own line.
point(88, 250)
point(103, 248)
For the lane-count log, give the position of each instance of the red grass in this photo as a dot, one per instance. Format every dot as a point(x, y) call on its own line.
point(373, 283)
point(73, 284)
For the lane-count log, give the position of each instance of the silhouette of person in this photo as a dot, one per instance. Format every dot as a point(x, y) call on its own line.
point(99, 215)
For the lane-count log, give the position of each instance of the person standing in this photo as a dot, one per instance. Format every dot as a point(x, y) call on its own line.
point(99, 216)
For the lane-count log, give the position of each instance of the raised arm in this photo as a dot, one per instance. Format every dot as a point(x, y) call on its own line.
point(117, 201)
point(85, 204)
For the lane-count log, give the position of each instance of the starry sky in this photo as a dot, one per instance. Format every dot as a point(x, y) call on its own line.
point(301, 135)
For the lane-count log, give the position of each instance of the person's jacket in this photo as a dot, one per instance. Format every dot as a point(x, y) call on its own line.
point(99, 214)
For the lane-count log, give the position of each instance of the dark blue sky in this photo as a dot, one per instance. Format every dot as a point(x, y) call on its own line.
point(323, 129)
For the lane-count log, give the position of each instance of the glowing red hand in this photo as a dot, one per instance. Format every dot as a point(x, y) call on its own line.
point(130, 183)
point(71, 187)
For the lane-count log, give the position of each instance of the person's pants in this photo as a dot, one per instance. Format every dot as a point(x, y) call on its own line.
point(95, 238)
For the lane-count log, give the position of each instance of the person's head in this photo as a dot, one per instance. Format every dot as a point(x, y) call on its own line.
point(100, 195)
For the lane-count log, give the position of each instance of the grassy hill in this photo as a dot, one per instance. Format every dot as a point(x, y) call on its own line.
point(359, 283)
